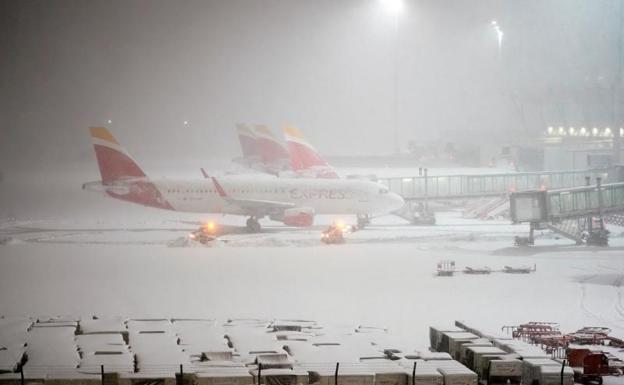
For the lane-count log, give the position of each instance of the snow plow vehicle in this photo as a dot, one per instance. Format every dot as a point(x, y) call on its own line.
point(335, 233)
point(205, 235)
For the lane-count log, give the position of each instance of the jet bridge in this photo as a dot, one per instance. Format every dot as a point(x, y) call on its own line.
point(424, 187)
point(577, 213)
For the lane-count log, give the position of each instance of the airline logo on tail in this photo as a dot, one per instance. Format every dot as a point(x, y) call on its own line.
point(118, 169)
point(248, 142)
point(114, 161)
point(271, 150)
point(304, 157)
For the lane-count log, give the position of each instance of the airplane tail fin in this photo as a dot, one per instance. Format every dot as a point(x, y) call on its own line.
point(114, 161)
point(248, 141)
point(272, 152)
point(304, 157)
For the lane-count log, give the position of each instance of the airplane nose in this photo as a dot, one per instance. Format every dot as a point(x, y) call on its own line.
point(396, 201)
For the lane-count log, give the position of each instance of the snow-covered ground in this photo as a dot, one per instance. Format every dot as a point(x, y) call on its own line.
point(68, 251)
point(383, 275)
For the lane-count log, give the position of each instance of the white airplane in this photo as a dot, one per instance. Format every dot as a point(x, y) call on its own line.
point(293, 201)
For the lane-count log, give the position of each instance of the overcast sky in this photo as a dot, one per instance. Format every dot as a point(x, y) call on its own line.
point(326, 66)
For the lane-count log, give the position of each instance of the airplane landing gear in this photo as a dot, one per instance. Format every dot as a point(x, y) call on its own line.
point(363, 220)
point(253, 226)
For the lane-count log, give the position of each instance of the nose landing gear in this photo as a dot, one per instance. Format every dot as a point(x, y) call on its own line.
point(253, 225)
point(363, 220)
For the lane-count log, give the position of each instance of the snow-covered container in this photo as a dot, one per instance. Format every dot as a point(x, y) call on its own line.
point(551, 375)
point(541, 369)
point(13, 331)
point(294, 376)
point(116, 362)
point(463, 351)
point(157, 351)
point(224, 376)
point(425, 375)
point(501, 370)
point(143, 326)
point(202, 339)
point(458, 376)
point(112, 325)
point(11, 357)
point(432, 356)
point(520, 348)
point(348, 374)
point(51, 349)
point(435, 335)
point(475, 354)
point(274, 361)
point(452, 342)
point(101, 342)
point(386, 372)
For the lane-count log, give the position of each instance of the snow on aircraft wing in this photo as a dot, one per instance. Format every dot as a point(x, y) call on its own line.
point(251, 204)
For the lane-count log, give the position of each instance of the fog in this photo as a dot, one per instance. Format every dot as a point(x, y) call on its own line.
point(327, 67)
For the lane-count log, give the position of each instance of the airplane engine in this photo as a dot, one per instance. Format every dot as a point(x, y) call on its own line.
point(298, 217)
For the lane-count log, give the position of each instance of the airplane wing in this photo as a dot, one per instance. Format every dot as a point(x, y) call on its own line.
point(254, 205)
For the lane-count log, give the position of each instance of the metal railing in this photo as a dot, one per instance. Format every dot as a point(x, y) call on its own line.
point(585, 200)
point(459, 186)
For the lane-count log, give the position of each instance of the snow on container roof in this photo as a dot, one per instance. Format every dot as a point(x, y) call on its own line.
point(429, 356)
point(10, 358)
point(141, 326)
point(209, 352)
point(461, 335)
point(249, 322)
point(276, 360)
point(119, 362)
point(218, 364)
point(300, 322)
point(189, 326)
point(201, 333)
point(293, 336)
point(72, 324)
point(57, 318)
point(93, 342)
point(446, 328)
point(13, 330)
point(152, 341)
point(103, 325)
point(53, 356)
point(541, 362)
point(49, 334)
point(486, 350)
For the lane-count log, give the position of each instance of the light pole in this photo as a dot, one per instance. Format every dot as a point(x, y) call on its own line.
point(394, 7)
point(499, 36)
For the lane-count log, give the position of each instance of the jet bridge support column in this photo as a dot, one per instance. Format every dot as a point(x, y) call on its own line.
point(590, 217)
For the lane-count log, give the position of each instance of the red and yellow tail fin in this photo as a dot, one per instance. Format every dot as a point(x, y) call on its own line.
point(114, 161)
point(303, 156)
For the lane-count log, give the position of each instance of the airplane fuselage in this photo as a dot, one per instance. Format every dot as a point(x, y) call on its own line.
point(324, 196)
